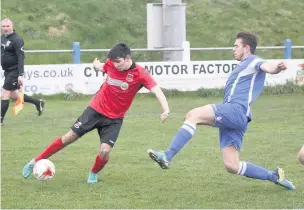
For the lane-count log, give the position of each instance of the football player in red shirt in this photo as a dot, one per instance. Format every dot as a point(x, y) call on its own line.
point(107, 107)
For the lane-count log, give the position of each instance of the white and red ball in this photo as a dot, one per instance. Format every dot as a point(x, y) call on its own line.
point(44, 170)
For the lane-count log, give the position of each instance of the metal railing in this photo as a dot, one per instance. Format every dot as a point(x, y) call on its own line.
point(76, 50)
point(48, 51)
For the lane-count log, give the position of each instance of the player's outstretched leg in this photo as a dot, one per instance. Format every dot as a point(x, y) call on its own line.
point(57, 145)
point(182, 137)
point(250, 170)
point(276, 176)
point(203, 115)
point(100, 162)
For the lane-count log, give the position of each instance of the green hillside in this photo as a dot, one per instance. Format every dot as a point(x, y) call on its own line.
point(57, 24)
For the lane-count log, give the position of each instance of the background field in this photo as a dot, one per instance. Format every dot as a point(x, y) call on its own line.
point(95, 24)
point(197, 178)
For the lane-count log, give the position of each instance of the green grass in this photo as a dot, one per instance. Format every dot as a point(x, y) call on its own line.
point(197, 178)
point(100, 24)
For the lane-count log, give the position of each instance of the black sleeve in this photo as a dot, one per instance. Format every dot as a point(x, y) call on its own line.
point(18, 45)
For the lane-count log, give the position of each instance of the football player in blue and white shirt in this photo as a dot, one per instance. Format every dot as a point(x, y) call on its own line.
point(244, 85)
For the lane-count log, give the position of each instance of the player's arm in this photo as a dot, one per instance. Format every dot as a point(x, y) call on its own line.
point(18, 46)
point(274, 67)
point(162, 100)
point(150, 84)
point(99, 66)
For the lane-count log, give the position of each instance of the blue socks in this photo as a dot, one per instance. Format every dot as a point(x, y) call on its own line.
point(247, 169)
point(184, 134)
point(256, 172)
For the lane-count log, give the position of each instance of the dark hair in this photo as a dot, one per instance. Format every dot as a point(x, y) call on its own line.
point(248, 39)
point(120, 50)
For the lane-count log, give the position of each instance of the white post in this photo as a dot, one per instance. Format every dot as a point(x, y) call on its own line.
point(174, 28)
point(186, 52)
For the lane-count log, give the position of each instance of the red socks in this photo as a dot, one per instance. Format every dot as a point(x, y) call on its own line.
point(54, 147)
point(57, 145)
point(99, 164)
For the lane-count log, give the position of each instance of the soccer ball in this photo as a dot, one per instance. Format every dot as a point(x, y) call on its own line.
point(44, 170)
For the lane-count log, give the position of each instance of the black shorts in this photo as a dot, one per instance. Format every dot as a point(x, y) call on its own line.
point(108, 129)
point(11, 80)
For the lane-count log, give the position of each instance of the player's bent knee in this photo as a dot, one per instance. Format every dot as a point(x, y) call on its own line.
point(201, 115)
point(195, 116)
point(231, 167)
point(191, 115)
point(105, 150)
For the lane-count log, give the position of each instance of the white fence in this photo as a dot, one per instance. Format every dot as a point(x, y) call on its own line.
point(183, 76)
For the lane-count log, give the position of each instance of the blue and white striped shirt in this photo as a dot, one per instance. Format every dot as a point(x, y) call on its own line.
point(245, 83)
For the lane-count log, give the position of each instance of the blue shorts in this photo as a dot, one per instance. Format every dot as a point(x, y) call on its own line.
point(232, 122)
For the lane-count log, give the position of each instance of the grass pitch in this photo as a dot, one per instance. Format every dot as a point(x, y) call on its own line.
point(197, 178)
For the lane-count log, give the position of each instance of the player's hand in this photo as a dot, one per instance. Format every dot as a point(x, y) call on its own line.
point(164, 116)
point(20, 81)
point(282, 66)
point(97, 64)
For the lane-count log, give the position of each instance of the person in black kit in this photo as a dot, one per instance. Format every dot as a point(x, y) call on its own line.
point(12, 62)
